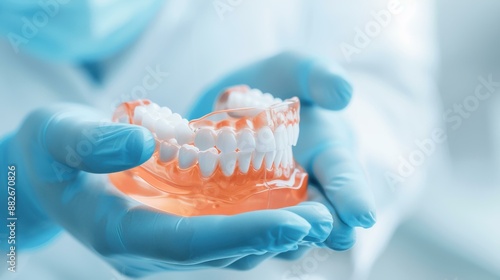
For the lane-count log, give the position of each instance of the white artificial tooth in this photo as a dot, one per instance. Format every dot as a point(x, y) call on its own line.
point(279, 137)
point(164, 130)
point(290, 137)
point(174, 118)
point(226, 140)
point(204, 138)
point(278, 158)
point(235, 100)
point(149, 121)
point(165, 112)
point(207, 161)
point(228, 162)
point(269, 158)
point(265, 140)
point(267, 98)
point(245, 140)
point(255, 93)
point(284, 158)
point(183, 133)
point(247, 101)
point(188, 155)
point(244, 159)
point(257, 160)
point(290, 156)
point(153, 107)
point(289, 116)
point(168, 150)
point(277, 100)
point(139, 112)
point(296, 133)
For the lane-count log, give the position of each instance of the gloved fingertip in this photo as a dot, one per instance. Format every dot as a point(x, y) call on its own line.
point(329, 89)
point(319, 218)
point(368, 220)
point(343, 246)
point(148, 145)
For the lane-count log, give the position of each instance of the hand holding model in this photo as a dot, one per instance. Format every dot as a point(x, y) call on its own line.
point(61, 150)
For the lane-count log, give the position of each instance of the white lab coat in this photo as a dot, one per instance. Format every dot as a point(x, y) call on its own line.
point(192, 43)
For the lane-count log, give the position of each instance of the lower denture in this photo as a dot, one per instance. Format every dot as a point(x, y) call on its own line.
point(245, 177)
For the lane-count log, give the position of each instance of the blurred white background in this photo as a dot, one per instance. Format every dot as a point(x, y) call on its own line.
point(463, 209)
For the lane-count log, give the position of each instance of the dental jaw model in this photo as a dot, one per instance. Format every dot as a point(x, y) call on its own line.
point(233, 160)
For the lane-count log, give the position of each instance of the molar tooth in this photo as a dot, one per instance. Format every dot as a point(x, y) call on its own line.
point(226, 140)
point(276, 101)
point(228, 162)
point(165, 112)
point(245, 140)
point(164, 130)
point(139, 112)
point(174, 118)
point(244, 159)
point(168, 150)
point(153, 107)
point(257, 160)
point(183, 133)
point(148, 121)
point(204, 138)
point(265, 140)
point(255, 94)
point(267, 98)
point(188, 155)
point(207, 161)
point(279, 136)
point(295, 134)
point(235, 100)
point(290, 137)
point(270, 159)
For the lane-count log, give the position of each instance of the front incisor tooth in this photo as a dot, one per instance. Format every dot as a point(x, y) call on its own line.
point(207, 161)
point(164, 130)
point(226, 140)
point(295, 134)
point(204, 138)
point(245, 140)
point(183, 133)
point(168, 150)
point(244, 159)
point(228, 163)
point(188, 155)
point(265, 140)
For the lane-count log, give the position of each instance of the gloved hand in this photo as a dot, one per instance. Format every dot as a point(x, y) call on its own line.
point(326, 148)
point(57, 152)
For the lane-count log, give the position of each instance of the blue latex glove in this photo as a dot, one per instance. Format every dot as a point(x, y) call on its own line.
point(57, 151)
point(74, 30)
point(325, 147)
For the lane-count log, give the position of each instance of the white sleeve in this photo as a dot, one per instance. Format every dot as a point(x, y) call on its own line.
point(389, 53)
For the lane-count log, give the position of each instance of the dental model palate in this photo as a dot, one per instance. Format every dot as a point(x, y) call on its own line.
point(238, 158)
